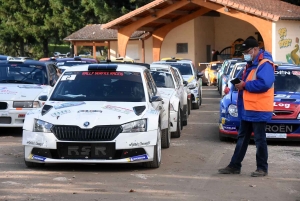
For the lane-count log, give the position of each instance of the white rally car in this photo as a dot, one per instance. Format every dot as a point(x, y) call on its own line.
point(98, 113)
point(189, 74)
point(23, 83)
point(172, 90)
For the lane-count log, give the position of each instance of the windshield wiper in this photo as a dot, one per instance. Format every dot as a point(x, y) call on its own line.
point(15, 81)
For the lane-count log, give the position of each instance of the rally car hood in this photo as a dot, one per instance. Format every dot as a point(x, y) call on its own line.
point(286, 105)
point(166, 93)
point(20, 92)
point(188, 78)
point(95, 113)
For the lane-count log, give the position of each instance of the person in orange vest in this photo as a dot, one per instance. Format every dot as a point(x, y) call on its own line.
point(255, 107)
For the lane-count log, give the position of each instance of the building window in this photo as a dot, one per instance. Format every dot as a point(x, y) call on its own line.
point(182, 48)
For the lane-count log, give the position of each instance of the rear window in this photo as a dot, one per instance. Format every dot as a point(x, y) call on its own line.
point(287, 81)
point(163, 80)
point(100, 86)
point(23, 73)
point(184, 68)
point(215, 66)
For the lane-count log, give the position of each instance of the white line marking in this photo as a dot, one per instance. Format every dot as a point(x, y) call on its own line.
point(203, 123)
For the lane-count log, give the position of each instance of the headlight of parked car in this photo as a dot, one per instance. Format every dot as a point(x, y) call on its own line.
point(42, 126)
point(232, 109)
point(135, 126)
point(26, 104)
point(192, 85)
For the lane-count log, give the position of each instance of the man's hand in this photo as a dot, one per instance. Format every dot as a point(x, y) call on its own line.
point(240, 86)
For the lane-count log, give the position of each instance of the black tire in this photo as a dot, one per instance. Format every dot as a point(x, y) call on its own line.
point(33, 165)
point(184, 122)
point(189, 106)
point(177, 133)
point(199, 102)
point(222, 138)
point(200, 99)
point(157, 154)
point(166, 136)
point(220, 89)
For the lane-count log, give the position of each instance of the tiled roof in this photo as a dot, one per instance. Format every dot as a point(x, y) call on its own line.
point(265, 8)
point(94, 32)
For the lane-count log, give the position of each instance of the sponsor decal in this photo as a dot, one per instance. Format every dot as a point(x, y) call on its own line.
point(89, 111)
point(70, 104)
point(138, 144)
point(282, 96)
point(285, 105)
point(3, 88)
point(29, 86)
point(138, 158)
point(286, 72)
point(279, 128)
point(68, 77)
point(118, 109)
point(30, 112)
point(4, 114)
point(36, 157)
point(103, 73)
point(61, 112)
point(223, 120)
point(34, 143)
point(6, 91)
point(223, 111)
point(153, 112)
point(231, 128)
point(276, 135)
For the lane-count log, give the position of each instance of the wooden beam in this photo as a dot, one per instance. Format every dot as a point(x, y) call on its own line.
point(180, 12)
point(161, 20)
point(135, 19)
point(108, 50)
point(89, 43)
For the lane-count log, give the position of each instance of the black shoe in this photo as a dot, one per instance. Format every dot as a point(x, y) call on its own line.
point(259, 173)
point(229, 170)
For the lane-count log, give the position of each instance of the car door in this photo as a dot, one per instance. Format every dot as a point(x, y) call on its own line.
point(180, 87)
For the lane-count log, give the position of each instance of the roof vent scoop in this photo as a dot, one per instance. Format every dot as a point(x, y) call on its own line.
point(138, 110)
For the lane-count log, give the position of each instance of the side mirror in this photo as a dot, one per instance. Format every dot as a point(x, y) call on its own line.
point(199, 75)
point(155, 99)
point(43, 98)
point(185, 83)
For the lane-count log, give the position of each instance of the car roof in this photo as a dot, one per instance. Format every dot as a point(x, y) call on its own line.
point(175, 61)
point(74, 59)
point(121, 67)
point(28, 62)
point(162, 66)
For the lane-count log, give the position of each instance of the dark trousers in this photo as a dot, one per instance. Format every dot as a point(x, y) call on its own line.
point(245, 130)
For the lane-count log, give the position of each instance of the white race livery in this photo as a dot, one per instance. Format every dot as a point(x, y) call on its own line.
point(22, 84)
point(172, 90)
point(98, 113)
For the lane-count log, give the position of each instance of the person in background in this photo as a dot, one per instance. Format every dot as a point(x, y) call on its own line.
point(215, 55)
point(255, 108)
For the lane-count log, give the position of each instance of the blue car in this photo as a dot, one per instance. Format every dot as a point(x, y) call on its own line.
point(285, 123)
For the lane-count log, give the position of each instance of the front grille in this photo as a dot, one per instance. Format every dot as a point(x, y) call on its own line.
point(3, 105)
point(75, 133)
point(282, 112)
point(5, 120)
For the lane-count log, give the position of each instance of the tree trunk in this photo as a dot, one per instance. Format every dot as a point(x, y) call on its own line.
point(45, 48)
point(22, 48)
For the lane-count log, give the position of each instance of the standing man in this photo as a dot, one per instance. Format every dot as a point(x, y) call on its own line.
point(255, 108)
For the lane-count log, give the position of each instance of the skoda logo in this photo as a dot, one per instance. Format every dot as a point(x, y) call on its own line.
point(86, 124)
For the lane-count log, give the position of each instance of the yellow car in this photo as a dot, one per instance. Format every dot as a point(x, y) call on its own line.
point(211, 71)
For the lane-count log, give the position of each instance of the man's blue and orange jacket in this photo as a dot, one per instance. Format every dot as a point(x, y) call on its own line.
point(262, 84)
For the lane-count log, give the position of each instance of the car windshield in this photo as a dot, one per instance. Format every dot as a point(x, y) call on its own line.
point(229, 69)
point(73, 63)
point(23, 73)
point(184, 68)
point(287, 80)
point(100, 86)
point(238, 69)
point(162, 79)
point(215, 66)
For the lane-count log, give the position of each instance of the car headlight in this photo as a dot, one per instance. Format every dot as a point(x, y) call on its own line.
point(135, 126)
point(42, 126)
point(233, 111)
point(26, 104)
point(192, 85)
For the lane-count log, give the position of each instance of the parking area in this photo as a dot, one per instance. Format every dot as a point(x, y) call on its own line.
point(188, 170)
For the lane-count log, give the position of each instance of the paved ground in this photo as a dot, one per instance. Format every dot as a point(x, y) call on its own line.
point(188, 170)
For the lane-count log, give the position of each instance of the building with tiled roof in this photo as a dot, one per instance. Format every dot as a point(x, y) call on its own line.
point(191, 29)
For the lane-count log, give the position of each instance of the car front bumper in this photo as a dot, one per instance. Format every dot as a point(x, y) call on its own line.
point(125, 148)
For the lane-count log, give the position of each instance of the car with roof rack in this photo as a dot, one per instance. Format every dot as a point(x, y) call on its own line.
point(191, 75)
point(22, 82)
point(98, 113)
point(284, 124)
point(172, 90)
